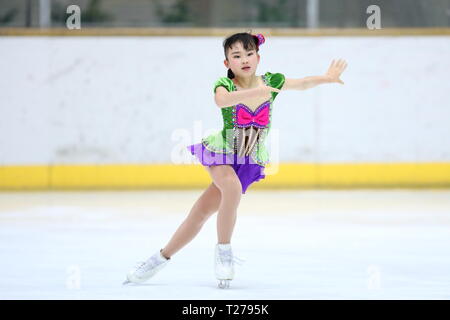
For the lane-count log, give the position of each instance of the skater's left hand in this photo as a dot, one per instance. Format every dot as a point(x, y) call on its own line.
point(335, 70)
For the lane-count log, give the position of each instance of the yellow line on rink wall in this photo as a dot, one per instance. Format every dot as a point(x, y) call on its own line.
point(167, 176)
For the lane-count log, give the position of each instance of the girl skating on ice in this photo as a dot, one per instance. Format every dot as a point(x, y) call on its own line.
point(235, 157)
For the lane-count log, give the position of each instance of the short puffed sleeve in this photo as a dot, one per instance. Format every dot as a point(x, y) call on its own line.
point(224, 82)
point(275, 80)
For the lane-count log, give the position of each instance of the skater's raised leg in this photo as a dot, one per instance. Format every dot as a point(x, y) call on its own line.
point(204, 207)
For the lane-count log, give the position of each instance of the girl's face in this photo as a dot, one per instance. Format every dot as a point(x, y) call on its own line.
point(239, 58)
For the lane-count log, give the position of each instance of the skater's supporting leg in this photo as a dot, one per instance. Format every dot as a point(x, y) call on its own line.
point(203, 208)
point(230, 186)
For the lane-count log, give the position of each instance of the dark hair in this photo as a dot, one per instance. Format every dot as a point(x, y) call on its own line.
point(248, 40)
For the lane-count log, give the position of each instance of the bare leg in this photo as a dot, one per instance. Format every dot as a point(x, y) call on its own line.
point(204, 207)
point(225, 178)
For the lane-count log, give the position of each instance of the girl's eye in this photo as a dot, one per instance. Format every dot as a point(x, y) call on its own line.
point(248, 54)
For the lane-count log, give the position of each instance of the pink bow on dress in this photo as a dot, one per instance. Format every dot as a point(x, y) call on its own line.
point(246, 117)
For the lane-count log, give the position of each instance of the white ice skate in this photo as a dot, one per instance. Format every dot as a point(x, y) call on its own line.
point(146, 269)
point(224, 264)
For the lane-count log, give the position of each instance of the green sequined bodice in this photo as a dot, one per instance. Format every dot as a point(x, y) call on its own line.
point(244, 139)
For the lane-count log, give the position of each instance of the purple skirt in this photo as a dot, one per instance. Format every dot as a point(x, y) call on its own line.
point(246, 169)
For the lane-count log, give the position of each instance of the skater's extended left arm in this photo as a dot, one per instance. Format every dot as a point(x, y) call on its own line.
point(332, 75)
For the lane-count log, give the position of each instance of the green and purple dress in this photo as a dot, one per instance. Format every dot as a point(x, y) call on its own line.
point(241, 142)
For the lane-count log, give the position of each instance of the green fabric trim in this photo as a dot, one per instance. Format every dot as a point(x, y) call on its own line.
point(275, 80)
point(224, 82)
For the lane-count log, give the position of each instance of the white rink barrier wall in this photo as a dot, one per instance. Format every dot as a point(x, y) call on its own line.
point(72, 106)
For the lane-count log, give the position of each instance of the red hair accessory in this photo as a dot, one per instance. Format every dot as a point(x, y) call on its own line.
point(261, 39)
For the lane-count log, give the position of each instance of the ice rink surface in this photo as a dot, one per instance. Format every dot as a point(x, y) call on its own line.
point(298, 244)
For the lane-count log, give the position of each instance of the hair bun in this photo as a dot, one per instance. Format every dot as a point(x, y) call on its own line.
point(261, 39)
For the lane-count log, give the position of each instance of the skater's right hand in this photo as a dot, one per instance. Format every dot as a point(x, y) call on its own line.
point(267, 89)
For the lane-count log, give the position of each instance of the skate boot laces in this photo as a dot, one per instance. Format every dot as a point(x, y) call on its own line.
point(144, 266)
point(227, 257)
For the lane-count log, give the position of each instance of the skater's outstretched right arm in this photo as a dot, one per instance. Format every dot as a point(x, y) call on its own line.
point(223, 98)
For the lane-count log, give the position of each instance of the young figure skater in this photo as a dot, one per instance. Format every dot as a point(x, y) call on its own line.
point(235, 156)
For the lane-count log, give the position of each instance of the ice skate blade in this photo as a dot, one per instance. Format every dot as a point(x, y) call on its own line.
point(126, 282)
point(224, 284)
